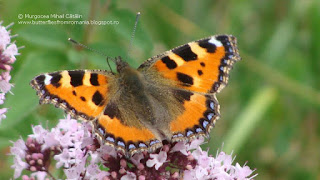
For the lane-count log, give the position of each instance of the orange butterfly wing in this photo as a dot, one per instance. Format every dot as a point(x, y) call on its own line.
point(199, 66)
point(84, 95)
point(81, 93)
point(128, 139)
point(199, 69)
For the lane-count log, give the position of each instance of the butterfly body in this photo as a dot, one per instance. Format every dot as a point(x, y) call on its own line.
point(169, 97)
point(145, 98)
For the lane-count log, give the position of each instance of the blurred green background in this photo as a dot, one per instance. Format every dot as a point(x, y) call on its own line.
point(269, 110)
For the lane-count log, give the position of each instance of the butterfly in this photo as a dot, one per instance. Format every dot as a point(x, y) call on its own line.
point(171, 96)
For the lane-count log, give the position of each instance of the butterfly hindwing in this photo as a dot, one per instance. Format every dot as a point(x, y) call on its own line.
point(200, 114)
point(81, 93)
point(128, 139)
point(199, 66)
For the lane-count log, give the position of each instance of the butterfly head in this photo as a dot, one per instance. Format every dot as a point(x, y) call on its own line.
point(121, 65)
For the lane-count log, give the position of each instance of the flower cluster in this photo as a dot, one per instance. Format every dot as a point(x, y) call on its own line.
point(75, 150)
point(8, 51)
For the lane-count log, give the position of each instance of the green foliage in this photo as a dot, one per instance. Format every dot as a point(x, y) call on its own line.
point(270, 109)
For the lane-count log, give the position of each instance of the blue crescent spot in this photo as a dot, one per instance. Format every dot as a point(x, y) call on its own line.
point(142, 145)
point(210, 115)
point(189, 133)
point(111, 139)
point(205, 124)
point(212, 105)
point(120, 143)
point(132, 146)
point(198, 130)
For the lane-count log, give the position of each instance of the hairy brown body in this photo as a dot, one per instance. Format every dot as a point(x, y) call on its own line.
point(141, 99)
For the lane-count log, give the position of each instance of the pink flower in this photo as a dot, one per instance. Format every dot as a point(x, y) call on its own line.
point(219, 167)
point(4, 36)
point(76, 170)
point(79, 154)
point(3, 113)
point(41, 175)
point(18, 166)
point(157, 160)
point(5, 86)
point(106, 150)
point(8, 51)
point(62, 159)
point(184, 147)
point(129, 176)
point(11, 51)
point(137, 158)
point(241, 172)
point(39, 133)
point(18, 149)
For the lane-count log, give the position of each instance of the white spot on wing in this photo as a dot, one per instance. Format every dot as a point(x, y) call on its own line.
point(47, 79)
point(86, 79)
point(214, 41)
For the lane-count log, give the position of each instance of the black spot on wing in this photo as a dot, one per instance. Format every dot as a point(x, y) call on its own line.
point(211, 48)
point(40, 79)
point(83, 98)
point(200, 72)
point(55, 80)
point(182, 95)
point(76, 78)
point(215, 86)
point(94, 79)
point(74, 93)
point(185, 79)
point(185, 53)
point(223, 39)
point(97, 98)
point(112, 110)
point(202, 64)
point(171, 64)
point(227, 45)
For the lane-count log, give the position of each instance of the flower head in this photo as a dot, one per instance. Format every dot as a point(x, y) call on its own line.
point(77, 151)
point(8, 51)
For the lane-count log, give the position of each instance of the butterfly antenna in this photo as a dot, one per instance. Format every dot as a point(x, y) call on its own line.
point(134, 30)
point(93, 50)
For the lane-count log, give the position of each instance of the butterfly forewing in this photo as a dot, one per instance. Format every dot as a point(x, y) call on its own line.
point(200, 66)
point(82, 93)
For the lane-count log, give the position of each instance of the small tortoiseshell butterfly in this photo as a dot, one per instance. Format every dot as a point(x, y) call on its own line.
point(171, 96)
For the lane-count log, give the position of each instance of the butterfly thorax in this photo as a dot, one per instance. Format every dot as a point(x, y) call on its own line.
point(132, 81)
